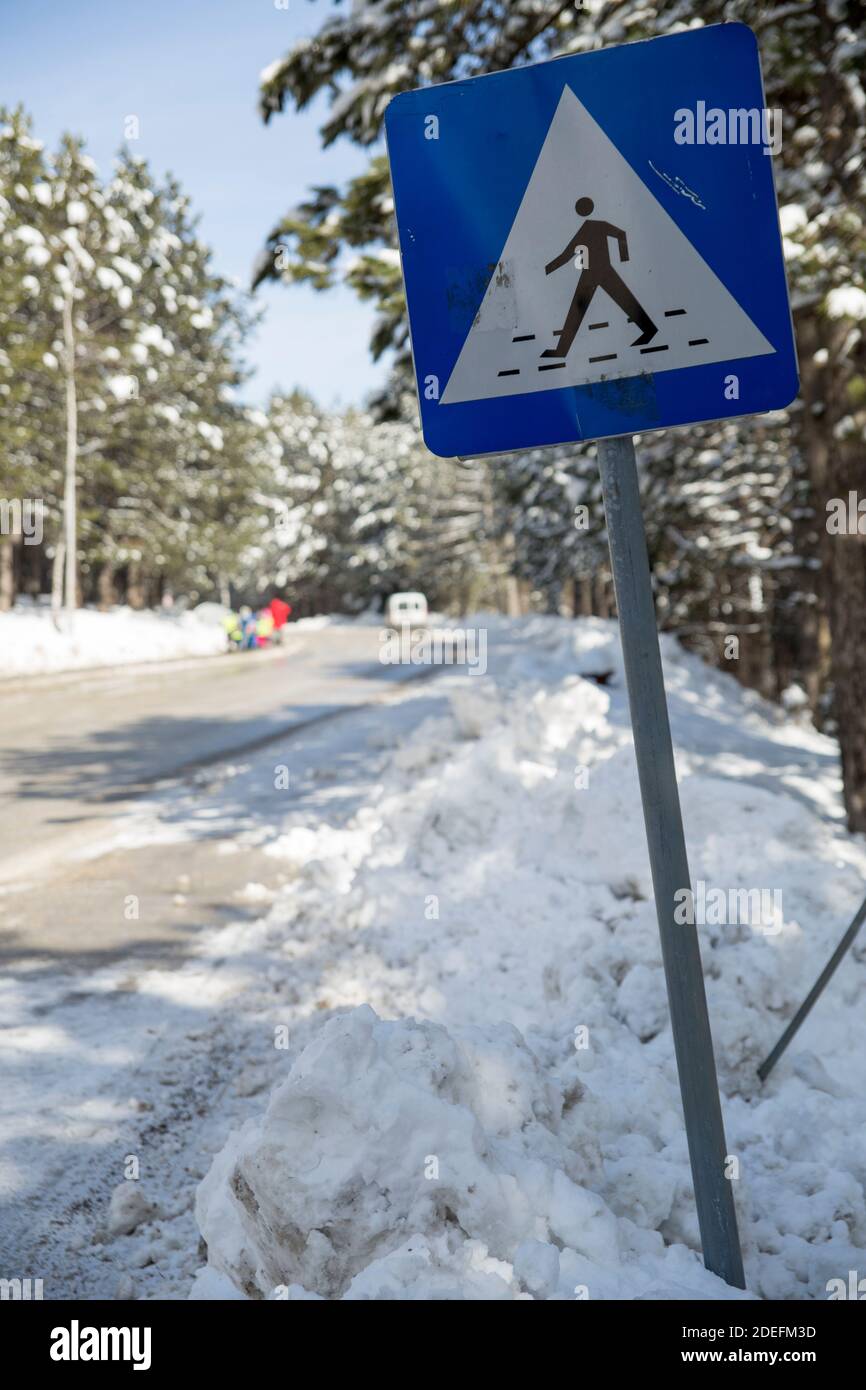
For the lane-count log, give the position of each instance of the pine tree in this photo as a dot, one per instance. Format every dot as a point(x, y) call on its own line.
point(88, 282)
point(25, 465)
point(169, 500)
point(119, 387)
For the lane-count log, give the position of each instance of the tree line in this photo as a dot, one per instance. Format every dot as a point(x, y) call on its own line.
point(122, 416)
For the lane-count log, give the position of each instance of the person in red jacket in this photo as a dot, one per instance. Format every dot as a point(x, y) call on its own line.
point(280, 611)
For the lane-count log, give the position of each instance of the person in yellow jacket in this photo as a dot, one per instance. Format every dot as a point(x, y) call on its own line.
point(233, 629)
point(264, 627)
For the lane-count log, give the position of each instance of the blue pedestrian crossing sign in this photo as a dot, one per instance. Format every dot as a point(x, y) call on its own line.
point(591, 245)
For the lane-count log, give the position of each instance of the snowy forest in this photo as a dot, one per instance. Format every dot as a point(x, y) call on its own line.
point(387, 911)
point(122, 381)
point(122, 411)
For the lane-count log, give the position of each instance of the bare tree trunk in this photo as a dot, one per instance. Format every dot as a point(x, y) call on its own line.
point(70, 478)
point(601, 595)
point(105, 587)
point(836, 471)
point(513, 606)
point(57, 581)
point(136, 595)
point(29, 575)
point(7, 573)
point(847, 603)
point(584, 590)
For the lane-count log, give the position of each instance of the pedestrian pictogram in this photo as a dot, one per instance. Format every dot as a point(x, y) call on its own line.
point(622, 293)
point(589, 248)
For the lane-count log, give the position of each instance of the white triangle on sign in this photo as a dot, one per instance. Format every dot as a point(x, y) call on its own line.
point(524, 308)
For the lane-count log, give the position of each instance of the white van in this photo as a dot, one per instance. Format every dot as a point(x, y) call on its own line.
point(406, 610)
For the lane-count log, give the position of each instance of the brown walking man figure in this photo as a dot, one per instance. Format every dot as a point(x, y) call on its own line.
point(597, 273)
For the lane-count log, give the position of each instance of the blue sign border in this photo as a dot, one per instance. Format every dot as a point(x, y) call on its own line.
point(456, 198)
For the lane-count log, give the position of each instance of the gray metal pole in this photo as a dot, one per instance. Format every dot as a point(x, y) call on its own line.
point(667, 851)
point(806, 1007)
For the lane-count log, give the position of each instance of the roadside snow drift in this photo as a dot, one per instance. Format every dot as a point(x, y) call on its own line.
point(31, 644)
point(395, 1149)
point(481, 1099)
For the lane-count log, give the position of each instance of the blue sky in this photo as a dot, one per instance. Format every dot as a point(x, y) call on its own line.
point(188, 69)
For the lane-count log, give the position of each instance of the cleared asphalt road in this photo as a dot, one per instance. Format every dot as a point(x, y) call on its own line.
point(76, 751)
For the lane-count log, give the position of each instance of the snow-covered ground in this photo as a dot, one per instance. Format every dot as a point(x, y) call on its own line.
point(31, 643)
point(434, 1059)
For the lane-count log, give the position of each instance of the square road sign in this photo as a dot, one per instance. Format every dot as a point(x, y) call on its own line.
point(591, 245)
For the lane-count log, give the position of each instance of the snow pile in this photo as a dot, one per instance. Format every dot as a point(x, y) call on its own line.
point(128, 1209)
point(31, 643)
point(495, 886)
point(397, 1159)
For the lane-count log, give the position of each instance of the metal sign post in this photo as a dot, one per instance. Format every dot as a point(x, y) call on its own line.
point(667, 851)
